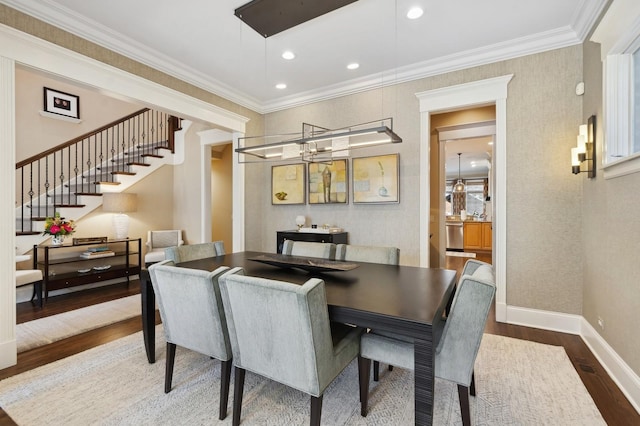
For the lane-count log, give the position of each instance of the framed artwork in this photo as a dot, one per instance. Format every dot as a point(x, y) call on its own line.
point(328, 182)
point(288, 184)
point(376, 179)
point(61, 103)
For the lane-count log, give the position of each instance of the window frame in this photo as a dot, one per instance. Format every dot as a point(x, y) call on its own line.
point(619, 43)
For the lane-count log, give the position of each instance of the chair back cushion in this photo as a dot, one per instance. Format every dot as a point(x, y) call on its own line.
point(460, 341)
point(281, 330)
point(191, 308)
point(27, 276)
point(189, 252)
point(162, 239)
point(309, 249)
point(371, 254)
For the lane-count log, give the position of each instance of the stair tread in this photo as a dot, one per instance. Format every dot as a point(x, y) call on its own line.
point(70, 205)
point(106, 183)
point(123, 173)
point(133, 163)
point(152, 155)
point(96, 194)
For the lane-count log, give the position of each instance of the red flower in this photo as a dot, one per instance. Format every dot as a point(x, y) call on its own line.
point(54, 229)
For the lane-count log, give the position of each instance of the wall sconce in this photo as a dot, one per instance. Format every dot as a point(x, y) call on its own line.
point(120, 203)
point(585, 152)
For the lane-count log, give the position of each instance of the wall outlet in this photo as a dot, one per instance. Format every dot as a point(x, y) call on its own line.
point(601, 323)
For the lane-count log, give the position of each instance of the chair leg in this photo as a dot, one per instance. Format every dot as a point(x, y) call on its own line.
point(238, 388)
point(316, 410)
point(225, 379)
point(472, 389)
point(364, 370)
point(463, 395)
point(391, 368)
point(376, 371)
point(168, 374)
point(37, 293)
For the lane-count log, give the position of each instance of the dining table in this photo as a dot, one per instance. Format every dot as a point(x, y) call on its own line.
point(405, 300)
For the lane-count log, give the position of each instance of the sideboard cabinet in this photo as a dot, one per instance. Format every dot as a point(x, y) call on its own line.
point(333, 237)
point(69, 265)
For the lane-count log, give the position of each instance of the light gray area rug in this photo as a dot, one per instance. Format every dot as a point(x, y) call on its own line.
point(47, 330)
point(517, 383)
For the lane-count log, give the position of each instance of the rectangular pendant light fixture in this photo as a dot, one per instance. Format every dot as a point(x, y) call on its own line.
point(316, 144)
point(269, 17)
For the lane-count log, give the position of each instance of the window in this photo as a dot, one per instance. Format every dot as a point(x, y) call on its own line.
point(476, 194)
point(619, 36)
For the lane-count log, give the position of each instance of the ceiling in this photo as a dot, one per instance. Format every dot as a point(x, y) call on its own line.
point(203, 43)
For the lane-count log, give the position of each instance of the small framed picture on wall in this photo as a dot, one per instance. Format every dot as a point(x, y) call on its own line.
point(61, 103)
point(328, 182)
point(376, 179)
point(288, 184)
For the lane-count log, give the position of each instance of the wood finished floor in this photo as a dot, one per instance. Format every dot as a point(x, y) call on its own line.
point(613, 405)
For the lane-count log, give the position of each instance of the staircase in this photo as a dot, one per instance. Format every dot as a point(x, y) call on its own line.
point(71, 177)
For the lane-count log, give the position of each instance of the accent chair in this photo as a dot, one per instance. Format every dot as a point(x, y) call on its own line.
point(157, 241)
point(193, 317)
point(458, 347)
point(282, 331)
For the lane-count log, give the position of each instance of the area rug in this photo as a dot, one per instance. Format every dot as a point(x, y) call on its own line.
point(517, 383)
point(47, 330)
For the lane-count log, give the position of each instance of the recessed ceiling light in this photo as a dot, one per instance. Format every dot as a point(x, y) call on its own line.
point(281, 86)
point(288, 55)
point(415, 13)
point(490, 143)
point(353, 66)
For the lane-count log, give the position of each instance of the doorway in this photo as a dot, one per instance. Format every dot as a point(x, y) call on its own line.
point(463, 96)
point(461, 182)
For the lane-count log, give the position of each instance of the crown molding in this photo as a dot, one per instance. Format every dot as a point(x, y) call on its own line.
point(68, 20)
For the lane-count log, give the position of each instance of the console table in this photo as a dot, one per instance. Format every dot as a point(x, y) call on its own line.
point(64, 266)
point(320, 237)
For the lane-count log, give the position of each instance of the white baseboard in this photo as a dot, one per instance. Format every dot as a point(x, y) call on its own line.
point(8, 353)
point(626, 379)
point(546, 320)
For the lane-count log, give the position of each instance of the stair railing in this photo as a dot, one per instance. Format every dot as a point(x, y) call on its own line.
point(58, 176)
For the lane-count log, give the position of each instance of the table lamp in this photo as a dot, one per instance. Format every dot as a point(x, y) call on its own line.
point(300, 221)
point(120, 203)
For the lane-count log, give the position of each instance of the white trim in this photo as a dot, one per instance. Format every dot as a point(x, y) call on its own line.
point(622, 167)
point(482, 92)
point(238, 202)
point(53, 59)
point(545, 320)
point(7, 214)
point(619, 371)
point(18, 47)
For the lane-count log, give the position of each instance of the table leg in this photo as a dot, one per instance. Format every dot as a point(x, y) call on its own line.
point(424, 359)
point(148, 298)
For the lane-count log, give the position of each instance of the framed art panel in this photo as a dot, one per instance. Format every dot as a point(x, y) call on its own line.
point(288, 184)
point(328, 182)
point(61, 103)
point(376, 179)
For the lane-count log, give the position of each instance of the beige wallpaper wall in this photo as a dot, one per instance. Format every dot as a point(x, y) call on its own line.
point(95, 110)
point(610, 228)
point(222, 196)
point(543, 197)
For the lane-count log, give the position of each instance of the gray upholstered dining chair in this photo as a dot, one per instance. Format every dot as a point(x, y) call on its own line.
point(456, 352)
point(193, 318)
point(282, 331)
point(309, 249)
point(371, 254)
point(189, 252)
point(157, 241)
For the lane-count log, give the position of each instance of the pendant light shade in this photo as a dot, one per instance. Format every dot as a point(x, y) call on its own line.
point(459, 187)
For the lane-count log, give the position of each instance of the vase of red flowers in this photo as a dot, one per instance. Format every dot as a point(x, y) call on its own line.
point(58, 228)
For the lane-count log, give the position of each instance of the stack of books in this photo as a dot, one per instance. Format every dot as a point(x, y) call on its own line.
point(97, 252)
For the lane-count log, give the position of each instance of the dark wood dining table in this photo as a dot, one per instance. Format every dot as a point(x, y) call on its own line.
point(405, 300)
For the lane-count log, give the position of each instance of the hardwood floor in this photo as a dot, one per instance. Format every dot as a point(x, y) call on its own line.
point(613, 405)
